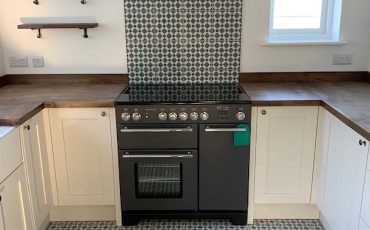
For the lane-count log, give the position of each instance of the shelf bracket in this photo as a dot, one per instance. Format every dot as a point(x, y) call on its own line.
point(83, 2)
point(36, 2)
point(38, 32)
point(85, 32)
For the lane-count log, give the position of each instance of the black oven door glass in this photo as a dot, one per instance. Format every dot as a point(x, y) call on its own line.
point(158, 180)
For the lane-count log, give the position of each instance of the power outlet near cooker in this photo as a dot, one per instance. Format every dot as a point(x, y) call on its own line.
point(342, 59)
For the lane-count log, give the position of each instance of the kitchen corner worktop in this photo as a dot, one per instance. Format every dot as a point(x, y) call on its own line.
point(349, 101)
point(20, 102)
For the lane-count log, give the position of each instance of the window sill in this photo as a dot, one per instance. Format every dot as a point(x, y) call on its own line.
point(305, 43)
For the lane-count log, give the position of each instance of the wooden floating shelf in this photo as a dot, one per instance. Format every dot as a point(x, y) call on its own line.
point(36, 2)
point(40, 26)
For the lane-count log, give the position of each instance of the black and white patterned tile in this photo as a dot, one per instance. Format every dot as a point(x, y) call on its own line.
point(192, 224)
point(183, 41)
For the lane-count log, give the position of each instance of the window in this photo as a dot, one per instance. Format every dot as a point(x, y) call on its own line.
point(304, 20)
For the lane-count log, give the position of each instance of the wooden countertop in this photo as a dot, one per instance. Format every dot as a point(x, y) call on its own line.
point(19, 102)
point(349, 101)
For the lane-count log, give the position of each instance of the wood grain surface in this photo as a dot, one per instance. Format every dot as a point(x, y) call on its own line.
point(67, 79)
point(302, 77)
point(348, 101)
point(19, 102)
point(26, 95)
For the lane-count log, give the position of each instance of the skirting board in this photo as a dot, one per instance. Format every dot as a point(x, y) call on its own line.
point(83, 213)
point(286, 211)
point(45, 223)
point(325, 223)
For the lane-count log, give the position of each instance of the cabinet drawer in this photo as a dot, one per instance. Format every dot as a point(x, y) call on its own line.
point(10, 154)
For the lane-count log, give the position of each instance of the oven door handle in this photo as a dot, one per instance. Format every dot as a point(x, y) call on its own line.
point(208, 129)
point(158, 130)
point(183, 156)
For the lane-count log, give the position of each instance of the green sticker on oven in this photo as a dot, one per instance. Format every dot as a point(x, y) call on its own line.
point(242, 137)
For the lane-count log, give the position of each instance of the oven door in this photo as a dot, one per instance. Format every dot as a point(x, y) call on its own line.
point(159, 180)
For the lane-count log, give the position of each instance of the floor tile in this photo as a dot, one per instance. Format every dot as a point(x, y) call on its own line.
point(191, 225)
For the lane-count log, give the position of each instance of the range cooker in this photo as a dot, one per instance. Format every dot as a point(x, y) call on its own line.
point(184, 152)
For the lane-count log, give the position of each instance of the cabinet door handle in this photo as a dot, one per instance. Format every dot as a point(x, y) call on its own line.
point(103, 114)
point(361, 142)
point(264, 112)
point(27, 127)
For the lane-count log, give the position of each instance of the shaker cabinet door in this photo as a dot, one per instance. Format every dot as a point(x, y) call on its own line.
point(37, 168)
point(15, 202)
point(82, 149)
point(365, 210)
point(342, 174)
point(285, 150)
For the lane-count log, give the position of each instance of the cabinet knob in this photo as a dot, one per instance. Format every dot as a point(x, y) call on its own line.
point(1, 198)
point(27, 127)
point(361, 142)
point(103, 114)
point(263, 112)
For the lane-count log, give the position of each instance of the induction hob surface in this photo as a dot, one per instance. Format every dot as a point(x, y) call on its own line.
point(181, 93)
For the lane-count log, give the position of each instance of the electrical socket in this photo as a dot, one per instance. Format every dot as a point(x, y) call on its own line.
point(18, 62)
point(37, 62)
point(342, 59)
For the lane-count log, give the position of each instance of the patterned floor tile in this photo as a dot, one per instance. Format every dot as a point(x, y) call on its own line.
point(191, 225)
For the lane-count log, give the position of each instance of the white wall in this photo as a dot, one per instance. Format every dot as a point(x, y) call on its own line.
point(2, 70)
point(355, 28)
point(65, 51)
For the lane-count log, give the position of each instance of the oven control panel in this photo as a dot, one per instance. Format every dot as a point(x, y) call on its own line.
point(130, 114)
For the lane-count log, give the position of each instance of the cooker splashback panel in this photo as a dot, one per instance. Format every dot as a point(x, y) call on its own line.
point(183, 41)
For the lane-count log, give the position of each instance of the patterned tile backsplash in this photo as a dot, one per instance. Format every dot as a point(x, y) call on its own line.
point(183, 41)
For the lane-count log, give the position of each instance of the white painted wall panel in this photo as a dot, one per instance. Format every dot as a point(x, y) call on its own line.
point(65, 51)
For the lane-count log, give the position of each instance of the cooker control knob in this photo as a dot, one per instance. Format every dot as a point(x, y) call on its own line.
point(240, 116)
point(136, 116)
point(162, 116)
point(194, 116)
point(183, 116)
point(172, 116)
point(204, 116)
point(125, 116)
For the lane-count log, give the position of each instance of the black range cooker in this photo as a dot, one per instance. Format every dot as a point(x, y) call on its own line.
point(184, 152)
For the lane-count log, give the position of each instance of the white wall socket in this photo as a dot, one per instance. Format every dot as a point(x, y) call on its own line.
point(18, 61)
point(37, 62)
point(342, 59)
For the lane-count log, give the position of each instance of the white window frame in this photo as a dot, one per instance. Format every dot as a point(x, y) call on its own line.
point(328, 31)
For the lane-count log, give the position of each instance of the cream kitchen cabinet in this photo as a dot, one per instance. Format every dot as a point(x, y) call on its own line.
point(83, 159)
point(10, 151)
point(343, 163)
point(363, 225)
point(285, 150)
point(365, 209)
point(14, 202)
point(37, 168)
point(15, 210)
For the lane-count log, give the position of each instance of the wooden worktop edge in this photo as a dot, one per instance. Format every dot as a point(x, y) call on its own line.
point(267, 77)
point(67, 79)
point(279, 77)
